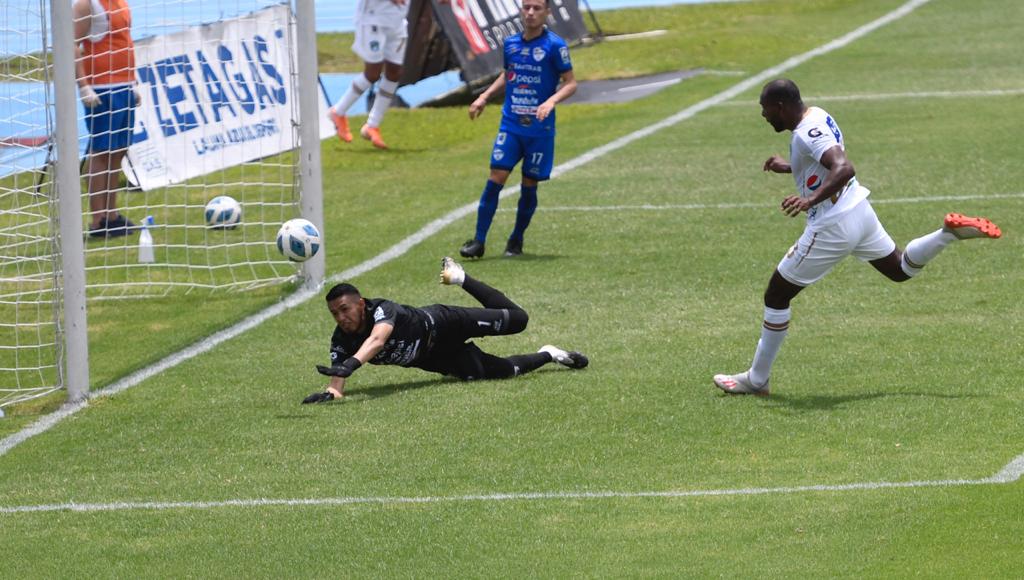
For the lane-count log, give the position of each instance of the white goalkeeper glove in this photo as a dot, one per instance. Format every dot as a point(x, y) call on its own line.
point(89, 97)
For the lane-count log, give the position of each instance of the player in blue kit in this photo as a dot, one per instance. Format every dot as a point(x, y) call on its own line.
point(536, 62)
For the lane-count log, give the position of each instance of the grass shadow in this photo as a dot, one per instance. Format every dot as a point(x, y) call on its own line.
point(499, 257)
point(371, 393)
point(831, 402)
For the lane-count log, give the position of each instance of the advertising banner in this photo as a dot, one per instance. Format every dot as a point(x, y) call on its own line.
point(215, 96)
point(476, 30)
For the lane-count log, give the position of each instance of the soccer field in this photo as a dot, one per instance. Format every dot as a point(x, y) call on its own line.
point(892, 444)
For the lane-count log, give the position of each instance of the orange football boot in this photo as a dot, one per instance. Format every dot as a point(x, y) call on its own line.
point(372, 134)
point(340, 125)
point(964, 227)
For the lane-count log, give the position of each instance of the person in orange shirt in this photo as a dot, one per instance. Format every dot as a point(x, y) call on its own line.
point(105, 68)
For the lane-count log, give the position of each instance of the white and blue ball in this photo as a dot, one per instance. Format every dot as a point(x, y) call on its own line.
point(223, 212)
point(298, 239)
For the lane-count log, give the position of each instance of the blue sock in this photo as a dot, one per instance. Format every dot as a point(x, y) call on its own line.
point(485, 212)
point(527, 205)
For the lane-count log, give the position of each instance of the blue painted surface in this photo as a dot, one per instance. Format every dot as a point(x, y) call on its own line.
point(337, 83)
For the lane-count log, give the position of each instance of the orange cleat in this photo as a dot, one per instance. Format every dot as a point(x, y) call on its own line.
point(372, 134)
point(340, 125)
point(964, 227)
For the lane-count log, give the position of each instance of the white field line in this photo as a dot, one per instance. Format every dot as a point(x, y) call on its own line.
point(722, 73)
point(650, 85)
point(757, 205)
point(888, 96)
point(635, 35)
point(1009, 474)
point(47, 422)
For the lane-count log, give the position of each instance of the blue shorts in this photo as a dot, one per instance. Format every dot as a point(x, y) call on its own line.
point(111, 122)
point(537, 154)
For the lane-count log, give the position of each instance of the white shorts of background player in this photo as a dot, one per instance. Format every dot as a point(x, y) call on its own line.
point(375, 43)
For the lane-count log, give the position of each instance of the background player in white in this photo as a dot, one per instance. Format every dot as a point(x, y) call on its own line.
point(381, 33)
point(840, 221)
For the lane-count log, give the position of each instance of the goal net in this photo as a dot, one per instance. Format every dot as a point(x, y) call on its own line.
point(216, 116)
point(29, 296)
point(215, 111)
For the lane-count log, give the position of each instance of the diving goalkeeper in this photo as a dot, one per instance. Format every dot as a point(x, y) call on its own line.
point(433, 338)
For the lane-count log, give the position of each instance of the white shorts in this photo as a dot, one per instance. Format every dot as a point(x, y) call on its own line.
point(858, 232)
point(375, 43)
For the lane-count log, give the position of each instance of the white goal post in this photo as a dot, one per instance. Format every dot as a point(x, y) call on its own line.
point(232, 92)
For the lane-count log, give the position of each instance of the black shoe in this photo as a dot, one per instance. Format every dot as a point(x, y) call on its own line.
point(117, 227)
point(472, 249)
point(514, 248)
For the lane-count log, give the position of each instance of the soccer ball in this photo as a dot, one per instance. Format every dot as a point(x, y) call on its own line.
point(298, 239)
point(223, 212)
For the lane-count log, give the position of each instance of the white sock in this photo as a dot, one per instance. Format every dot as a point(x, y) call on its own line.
point(921, 250)
point(355, 90)
point(776, 325)
point(385, 93)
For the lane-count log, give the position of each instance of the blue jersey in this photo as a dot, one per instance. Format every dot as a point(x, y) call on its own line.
point(532, 72)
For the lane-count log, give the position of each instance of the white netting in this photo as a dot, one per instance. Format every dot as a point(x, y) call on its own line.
point(217, 109)
point(29, 295)
point(218, 115)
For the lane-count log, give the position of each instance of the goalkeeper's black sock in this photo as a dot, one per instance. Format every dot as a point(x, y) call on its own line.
point(488, 297)
point(525, 363)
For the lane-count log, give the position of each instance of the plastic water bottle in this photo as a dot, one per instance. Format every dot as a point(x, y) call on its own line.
point(146, 242)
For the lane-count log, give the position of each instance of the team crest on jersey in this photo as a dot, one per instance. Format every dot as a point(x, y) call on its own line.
point(378, 314)
point(501, 138)
point(564, 53)
point(813, 182)
point(498, 154)
point(814, 133)
point(539, 54)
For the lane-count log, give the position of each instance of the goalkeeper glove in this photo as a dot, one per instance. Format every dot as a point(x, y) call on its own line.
point(318, 398)
point(345, 369)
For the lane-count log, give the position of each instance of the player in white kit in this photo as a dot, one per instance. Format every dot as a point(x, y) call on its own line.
point(381, 33)
point(840, 222)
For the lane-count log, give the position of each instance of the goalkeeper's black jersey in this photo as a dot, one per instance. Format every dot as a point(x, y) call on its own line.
point(409, 341)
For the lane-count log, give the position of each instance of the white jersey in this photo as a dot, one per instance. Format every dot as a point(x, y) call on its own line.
point(384, 13)
point(816, 134)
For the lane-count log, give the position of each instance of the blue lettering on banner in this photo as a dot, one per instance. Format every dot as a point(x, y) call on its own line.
point(214, 89)
point(190, 90)
point(245, 101)
point(175, 93)
point(236, 136)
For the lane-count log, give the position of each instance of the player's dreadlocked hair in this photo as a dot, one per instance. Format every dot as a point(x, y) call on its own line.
point(343, 289)
point(782, 91)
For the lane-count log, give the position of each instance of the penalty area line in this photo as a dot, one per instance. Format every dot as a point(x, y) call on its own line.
point(1009, 474)
point(758, 205)
point(402, 247)
point(892, 96)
